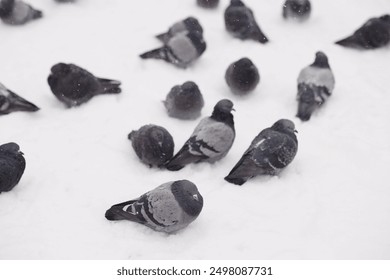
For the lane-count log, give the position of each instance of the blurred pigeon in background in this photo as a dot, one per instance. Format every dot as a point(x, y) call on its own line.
point(272, 150)
point(297, 9)
point(65, 1)
point(211, 140)
point(185, 26)
point(12, 165)
point(184, 101)
point(73, 85)
point(374, 33)
point(15, 12)
point(11, 102)
point(242, 76)
point(153, 145)
point(315, 84)
point(241, 23)
point(207, 3)
point(168, 208)
point(180, 50)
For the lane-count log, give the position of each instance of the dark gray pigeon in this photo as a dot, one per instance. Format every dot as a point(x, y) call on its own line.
point(153, 145)
point(185, 26)
point(184, 101)
point(241, 23)
point(11, 102)
point(207, 3)
point(271, 151)
point(375, 33)
point(242, 76)
point(297, 9)
point(15, 12)
point(315, 84)
point(73, 85)
point(12, 165)
point(211, 140)
point(168, 208)
point(181, 50)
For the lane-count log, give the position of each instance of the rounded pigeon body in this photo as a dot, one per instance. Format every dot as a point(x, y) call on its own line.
point(207, 3)
point(241, 23)
point(297, 9)
point(211, 140)
point(11, 102)
point(272, 150)
point(168, 208)
point(315, 84)
point(375, 33)
point(153, 145)
point(12, 165)
point(185, 26)
point(15, 12)
point(73, 85)
point(242, 76)
point(184, 101)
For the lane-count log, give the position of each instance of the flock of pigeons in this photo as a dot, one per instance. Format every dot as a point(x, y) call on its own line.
point(173, 205)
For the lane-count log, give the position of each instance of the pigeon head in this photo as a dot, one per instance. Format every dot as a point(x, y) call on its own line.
point(193, 24)
point(385, 18)
point(61, 69)
point(222, 112)
point(188, 197)
point(242, 76)
point(10, 147)
point(237, 3)
point(224, 106)
point(321, 60)
point(6, 7)
point(284, 125)
point(190, 95)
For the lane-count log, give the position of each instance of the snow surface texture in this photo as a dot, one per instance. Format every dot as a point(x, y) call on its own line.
point(332, 202)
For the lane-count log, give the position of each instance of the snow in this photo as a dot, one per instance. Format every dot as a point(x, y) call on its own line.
point(332, 202)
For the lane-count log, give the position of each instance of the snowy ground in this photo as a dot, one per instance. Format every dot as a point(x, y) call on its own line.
point(332, 202)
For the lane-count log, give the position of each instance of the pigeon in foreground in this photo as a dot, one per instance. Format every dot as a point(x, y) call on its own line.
point(11, 102)
point(315, 84)
point(180, 50)
point(272, 150)
point(168, 208)
point(184, 101)
point(242, 76)
point(374, 33)
point(297, 9)
point(207, 3)
point(153, 145)
point(211, 140)
point(73, 85)
point(12, 165)
point(241, 23)
point(15, 12)
point(185, 26)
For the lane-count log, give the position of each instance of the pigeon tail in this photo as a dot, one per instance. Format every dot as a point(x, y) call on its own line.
point(131, 135)
point(181, 159)
point(259, 36)
point(160, 53)
point(37, 14)
point(235, 180)
point(20, 104)
point(116, 212)
point(163, 37)
point(348, 42)
point(110, 86)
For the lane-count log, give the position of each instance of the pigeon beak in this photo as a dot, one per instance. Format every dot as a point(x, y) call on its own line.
point(195, 196)
point(233, 109)
point(296, 131)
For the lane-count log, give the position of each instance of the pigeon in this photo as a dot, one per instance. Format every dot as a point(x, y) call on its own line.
point(211, 140)
point(242, 76)
point(297, 9)
point(15, 12)
point(180, 50)
point(65, 1)
point(12, 165)
point(241, 23)
point(315, 84)
point(375, 33)
point(185, 26)
point(153, 145)
point(207, 3)
point(184, 101)
point(73, 85)
point(272, 150)
point(11, 102)
point(168, 208)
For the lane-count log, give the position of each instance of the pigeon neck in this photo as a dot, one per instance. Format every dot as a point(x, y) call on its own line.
point(321, 63)
point(225, 117)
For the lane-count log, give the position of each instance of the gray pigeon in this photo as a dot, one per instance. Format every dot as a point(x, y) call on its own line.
point(297, 9)
point(271, 151)
point(11, 102)
point(12, 165)
point(168, 208)
point(315, 84)
point(153, 145)
point(181, 50)
point(184, 101)
point(73, 85)
point(211, 140)
point(242, 76)
point(15, 12)
point(186, 25)
point(207, 3)
point(375, 33)
point(241, 23)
